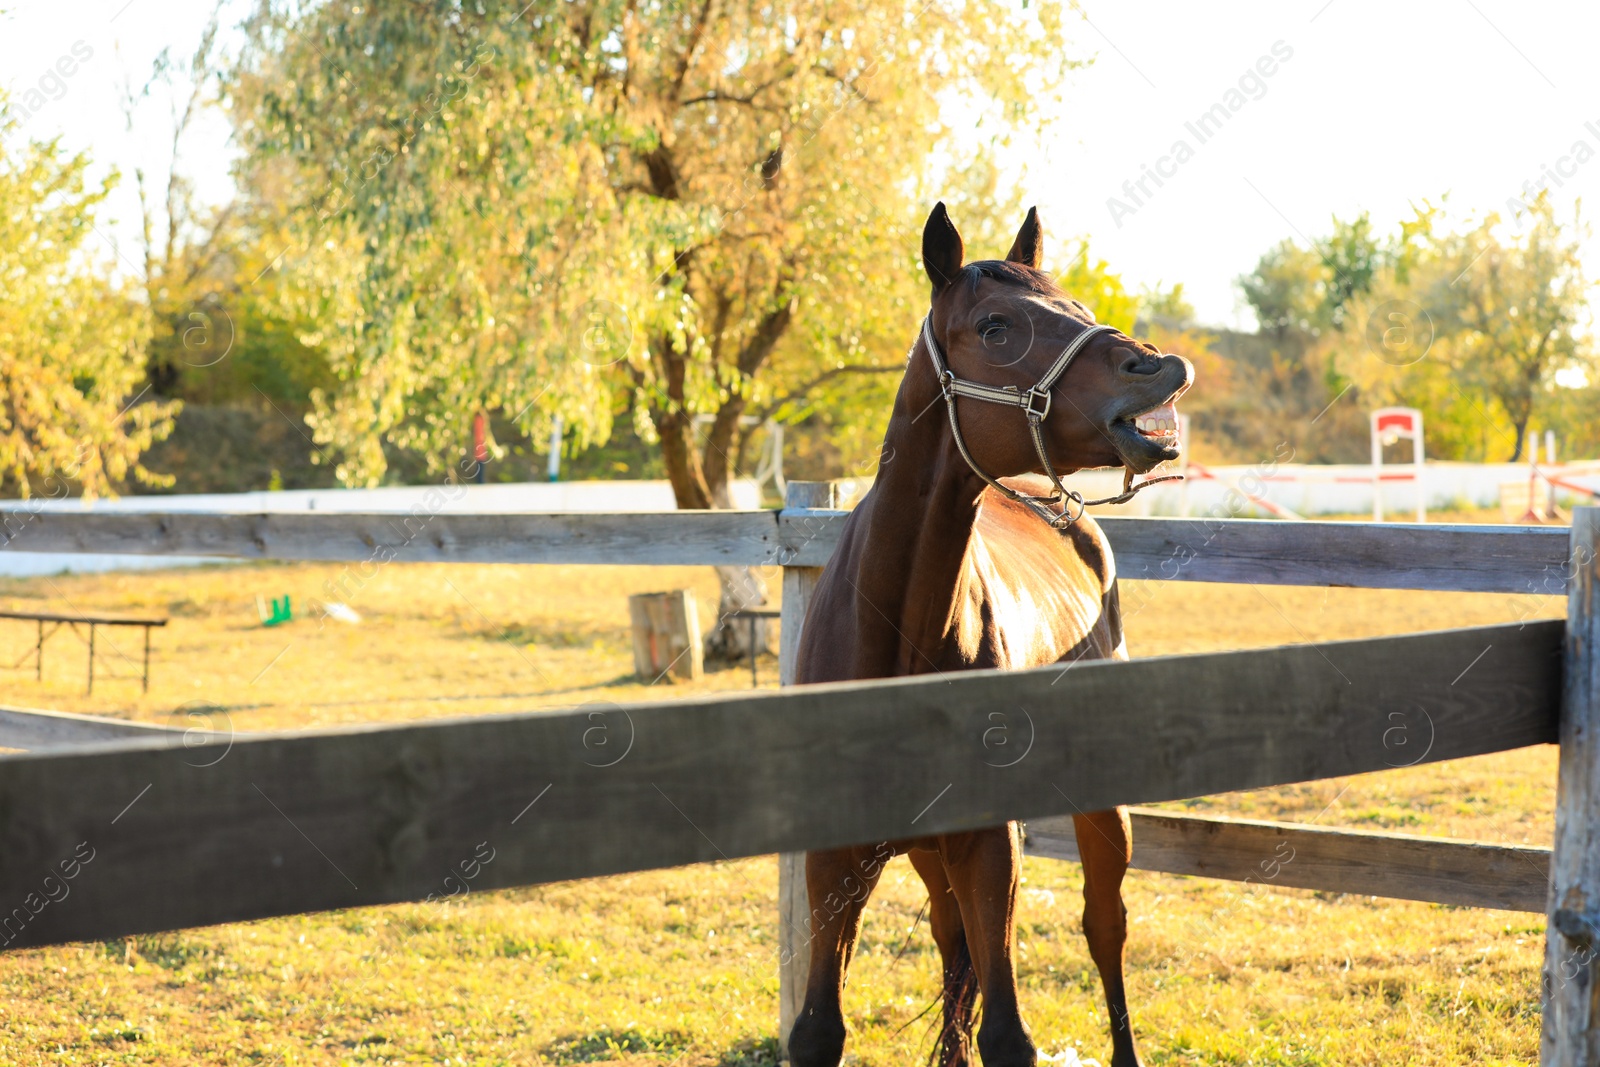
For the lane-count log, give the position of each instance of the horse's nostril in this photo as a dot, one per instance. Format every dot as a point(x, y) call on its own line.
point(1140, 364)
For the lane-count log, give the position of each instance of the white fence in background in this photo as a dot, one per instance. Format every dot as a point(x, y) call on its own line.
point(1305, 489)
point(1331, 489)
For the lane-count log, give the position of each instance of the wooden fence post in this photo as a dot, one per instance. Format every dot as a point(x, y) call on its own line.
point(1571, 1024)
point(794, 945)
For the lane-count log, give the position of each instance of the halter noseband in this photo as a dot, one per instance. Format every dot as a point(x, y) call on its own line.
point(1035, 404)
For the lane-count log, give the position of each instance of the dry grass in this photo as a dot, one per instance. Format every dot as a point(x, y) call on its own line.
point(434, 640)
point(678, 966)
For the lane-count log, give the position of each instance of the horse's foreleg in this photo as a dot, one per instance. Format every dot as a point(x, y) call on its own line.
point(1105, 843)
point(984, 867)
point(838, 883)
point(960, 993)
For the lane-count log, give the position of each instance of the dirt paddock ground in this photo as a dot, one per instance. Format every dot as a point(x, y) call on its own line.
point(678, 966)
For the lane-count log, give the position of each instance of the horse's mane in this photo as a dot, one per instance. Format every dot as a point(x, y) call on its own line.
point(1029, 279)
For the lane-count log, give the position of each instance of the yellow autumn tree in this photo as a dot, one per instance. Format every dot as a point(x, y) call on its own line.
point(71, 339)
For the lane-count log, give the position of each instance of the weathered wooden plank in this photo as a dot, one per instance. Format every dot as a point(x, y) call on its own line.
point(1570, 1028)
point(1509, 559)
point(26, 728)
point(441, 535)
point(364, 815)
point(1490, 559)
point(1404, 866)
point(808, 536)
point(1485, 559)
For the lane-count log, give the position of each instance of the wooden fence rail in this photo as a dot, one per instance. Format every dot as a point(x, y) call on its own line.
point(426, 536)
point(38, 731)
point(1473, 874)
point(1503, 559)
point(1404, 866)
point(273, 824)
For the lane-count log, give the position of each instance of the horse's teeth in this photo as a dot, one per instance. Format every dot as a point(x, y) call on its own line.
point(1151, 423)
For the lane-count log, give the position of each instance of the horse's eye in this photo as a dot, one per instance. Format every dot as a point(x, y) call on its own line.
point(991, 326)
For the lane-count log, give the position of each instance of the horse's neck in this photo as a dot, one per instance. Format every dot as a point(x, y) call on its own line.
point(924, 505)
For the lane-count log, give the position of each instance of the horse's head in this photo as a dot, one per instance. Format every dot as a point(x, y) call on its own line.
point(1007, 325)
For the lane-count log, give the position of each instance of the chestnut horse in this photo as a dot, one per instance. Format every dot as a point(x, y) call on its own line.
point(942, 568)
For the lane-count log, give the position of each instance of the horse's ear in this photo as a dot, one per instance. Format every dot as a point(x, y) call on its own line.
point(1028, 248)
point(941, 247)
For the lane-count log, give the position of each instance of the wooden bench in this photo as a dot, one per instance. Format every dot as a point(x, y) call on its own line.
point(73, 619)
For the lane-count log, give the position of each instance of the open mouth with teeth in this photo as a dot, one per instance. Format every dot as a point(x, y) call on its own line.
point(1158, 424)
point(1149, 438)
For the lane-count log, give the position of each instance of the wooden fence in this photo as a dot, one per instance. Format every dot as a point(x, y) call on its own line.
point(256, 825)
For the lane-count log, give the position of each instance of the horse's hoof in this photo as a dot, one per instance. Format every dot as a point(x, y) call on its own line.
point(816, 1040)
point(1010, 1048)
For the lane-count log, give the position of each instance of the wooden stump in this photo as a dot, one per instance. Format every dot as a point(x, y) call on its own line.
point(666, 635)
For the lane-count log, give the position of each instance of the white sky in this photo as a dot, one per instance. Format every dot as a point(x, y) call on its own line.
point(85, 109)
point(1381, 104)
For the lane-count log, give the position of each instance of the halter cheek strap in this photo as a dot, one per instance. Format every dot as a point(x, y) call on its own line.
point(1035, 404)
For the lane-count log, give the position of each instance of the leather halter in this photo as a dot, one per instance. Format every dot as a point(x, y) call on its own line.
point(1035, 404)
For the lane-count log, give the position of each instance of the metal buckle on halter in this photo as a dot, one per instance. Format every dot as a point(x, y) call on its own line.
point(947, 382)
point(1036, 414)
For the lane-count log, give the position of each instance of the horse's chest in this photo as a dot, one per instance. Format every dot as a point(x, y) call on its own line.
point(1024, 606)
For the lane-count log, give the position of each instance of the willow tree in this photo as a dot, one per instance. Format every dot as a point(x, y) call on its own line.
point(691, 211)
